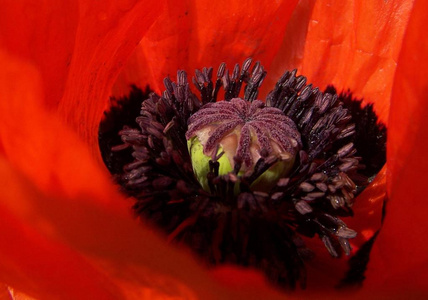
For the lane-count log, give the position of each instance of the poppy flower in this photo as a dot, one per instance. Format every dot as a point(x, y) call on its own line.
point(68, 233)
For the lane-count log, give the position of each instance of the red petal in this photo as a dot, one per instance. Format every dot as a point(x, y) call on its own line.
point(79, 49)
point(368, 209)
point(206, 33)
point(32, 262)
point(290, 53)
point(43, 33)
point(29, 260)
point(106, 36)
point(64, 238)
point(400, 258)
point(67, 233)
point(354, 45)
point(62, 216)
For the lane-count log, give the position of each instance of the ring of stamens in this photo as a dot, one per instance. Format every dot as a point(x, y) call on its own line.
point(310, 199)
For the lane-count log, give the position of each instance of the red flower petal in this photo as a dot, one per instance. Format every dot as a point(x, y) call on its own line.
point(62, 237)
point(194, 35)
point(29, 260)
point(400, 257)
point(79, 49)
point(67, 232)
point(353, 45)
point(290, 53)
point(34, 263)
point(45, 35)
point(66, 217)
point(106, 36)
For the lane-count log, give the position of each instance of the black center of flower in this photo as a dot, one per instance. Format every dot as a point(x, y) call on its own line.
point(241, 180)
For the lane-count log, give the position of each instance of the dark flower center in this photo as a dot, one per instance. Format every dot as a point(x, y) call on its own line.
point(241, 180)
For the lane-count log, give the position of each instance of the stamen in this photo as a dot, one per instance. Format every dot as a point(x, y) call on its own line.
point(259, 174)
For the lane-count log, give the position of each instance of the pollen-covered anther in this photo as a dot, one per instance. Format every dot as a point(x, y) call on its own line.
point(242, 136)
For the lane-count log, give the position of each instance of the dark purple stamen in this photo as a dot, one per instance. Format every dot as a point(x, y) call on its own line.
point(332, 137)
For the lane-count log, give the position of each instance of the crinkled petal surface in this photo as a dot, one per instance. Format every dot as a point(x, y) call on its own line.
point(193, 34)
point(66, 231)
point(400, 259)
point(351, 44)
point(105, 37)
point(79, 48)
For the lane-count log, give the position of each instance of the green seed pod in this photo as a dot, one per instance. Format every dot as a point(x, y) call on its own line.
point(243, 132)
point(200, 162)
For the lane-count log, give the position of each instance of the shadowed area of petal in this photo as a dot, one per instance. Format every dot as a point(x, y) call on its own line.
point(43, 33)
point(48, 211)
point(66, 225)
point(191, 34)
point(79, 49)
point(369, 208)
point(58, 248)
point(290, 53)
point(401, 251)
point(355, 45)
point(106, 35)
point(31, 261)
point(34, 140)
point(80, 247)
